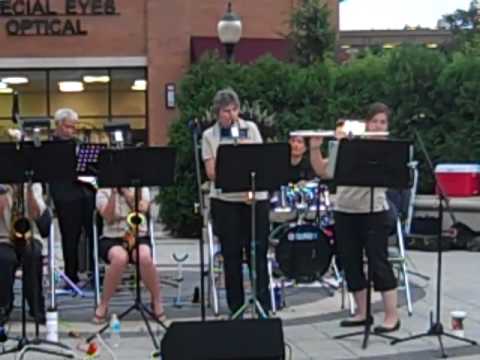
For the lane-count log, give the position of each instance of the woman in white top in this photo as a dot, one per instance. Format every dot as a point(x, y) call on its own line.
point(353, 225)
point(116, 247)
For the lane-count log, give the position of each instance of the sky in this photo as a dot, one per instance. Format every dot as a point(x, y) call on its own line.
point(395, 14)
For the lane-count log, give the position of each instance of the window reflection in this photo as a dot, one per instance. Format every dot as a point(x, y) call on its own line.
point(98, 95)
point(125, 100)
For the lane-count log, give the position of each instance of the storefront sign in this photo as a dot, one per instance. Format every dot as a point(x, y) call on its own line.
point(41, 18)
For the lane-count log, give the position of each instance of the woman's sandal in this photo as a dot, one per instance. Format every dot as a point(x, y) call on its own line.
point(162, 317)
point(100, 319)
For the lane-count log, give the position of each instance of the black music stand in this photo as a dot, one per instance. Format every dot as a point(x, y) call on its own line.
point(136, 167)
point(436, 328)
point(27, 162)
point(372, 163)
point(252, 167)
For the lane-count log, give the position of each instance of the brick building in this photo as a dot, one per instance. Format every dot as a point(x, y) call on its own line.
point(110, 50)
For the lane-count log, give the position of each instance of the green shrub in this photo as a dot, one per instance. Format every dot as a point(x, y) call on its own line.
point(427, 91)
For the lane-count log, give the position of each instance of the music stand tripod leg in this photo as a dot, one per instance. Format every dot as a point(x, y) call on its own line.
point(436, 328)
point(253, 299)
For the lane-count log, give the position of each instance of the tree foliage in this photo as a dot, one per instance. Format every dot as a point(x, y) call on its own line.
point(435, 95)
point(311, 33)
point(465, 25)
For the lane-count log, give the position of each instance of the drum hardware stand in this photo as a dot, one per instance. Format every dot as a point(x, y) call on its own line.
point(436, 326)
point(25, 156)
point(375, 164)
point(179, 279)
point(252, 168)
point(324, 285)
point(116, 170)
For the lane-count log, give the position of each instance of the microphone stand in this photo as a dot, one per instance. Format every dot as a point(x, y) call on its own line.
point(436, 327)
point(199, 208)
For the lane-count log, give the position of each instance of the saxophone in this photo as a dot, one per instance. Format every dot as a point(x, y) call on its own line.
point(134, 221)
point(20, 225)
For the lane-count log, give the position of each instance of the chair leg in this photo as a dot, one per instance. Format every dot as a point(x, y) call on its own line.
point(351, 304)
point(342, 294)
point(271, 286)
point(350, 298)
point(213, 293)
point(408, 294)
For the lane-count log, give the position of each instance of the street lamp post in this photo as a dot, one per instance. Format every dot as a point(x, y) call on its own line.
point(229, 30)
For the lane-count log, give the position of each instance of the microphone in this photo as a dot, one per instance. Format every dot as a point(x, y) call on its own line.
point(235, 132)
point(194, 126)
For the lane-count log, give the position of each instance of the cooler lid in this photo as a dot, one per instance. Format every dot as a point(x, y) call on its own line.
point(457, 168)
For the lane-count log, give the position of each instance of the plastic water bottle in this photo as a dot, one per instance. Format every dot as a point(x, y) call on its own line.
point(52, 325)
point(115, 329)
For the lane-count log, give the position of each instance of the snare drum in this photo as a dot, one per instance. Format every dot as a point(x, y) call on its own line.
point(304, 252)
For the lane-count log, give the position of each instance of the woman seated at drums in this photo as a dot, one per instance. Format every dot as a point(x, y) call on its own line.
point(353, 224)
point(116, 246)
point(300, 166)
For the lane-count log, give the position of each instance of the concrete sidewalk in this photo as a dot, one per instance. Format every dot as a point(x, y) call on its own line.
point(311, 317)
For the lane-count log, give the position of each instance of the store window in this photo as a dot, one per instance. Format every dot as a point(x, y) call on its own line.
point(31, 87)
point(98, 95)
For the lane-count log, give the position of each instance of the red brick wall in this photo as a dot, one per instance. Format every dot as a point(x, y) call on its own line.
point(159, 30)
point(170, 25)
point(121, 35)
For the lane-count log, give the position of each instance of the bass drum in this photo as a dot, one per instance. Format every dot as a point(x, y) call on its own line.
point(304, 252)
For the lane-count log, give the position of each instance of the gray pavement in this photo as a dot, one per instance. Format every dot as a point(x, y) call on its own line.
point(311, 317)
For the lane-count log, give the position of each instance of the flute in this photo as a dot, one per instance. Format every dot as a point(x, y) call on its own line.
point(331, 133)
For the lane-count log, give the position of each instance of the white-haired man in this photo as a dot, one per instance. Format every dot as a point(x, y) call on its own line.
point(74, 201)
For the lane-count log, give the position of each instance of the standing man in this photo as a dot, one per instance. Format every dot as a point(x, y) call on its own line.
point(231, 212)
point(74, 201)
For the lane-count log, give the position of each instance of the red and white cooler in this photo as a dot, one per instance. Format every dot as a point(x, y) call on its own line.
point(459, 179)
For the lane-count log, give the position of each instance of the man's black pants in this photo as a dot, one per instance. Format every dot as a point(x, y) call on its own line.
point(233, 226)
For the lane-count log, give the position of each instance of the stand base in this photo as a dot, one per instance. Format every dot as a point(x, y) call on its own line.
point(144, 311)
point(252, 302)
point(366, 332)
point(436, 329)
point(25, 345)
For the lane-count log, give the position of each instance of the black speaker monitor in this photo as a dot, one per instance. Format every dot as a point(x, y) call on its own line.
point(224, 340)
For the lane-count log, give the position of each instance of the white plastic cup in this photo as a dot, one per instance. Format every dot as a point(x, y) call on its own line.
point(52, 326)
point(458, 317)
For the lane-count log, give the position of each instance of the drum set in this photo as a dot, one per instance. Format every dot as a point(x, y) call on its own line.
point(302, 235)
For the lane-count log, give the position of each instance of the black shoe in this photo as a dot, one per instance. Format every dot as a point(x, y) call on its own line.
point(382, 329)
point(353, 323)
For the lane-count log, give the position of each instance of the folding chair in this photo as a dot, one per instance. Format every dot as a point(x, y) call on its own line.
point(97, 267)
point(396, 251)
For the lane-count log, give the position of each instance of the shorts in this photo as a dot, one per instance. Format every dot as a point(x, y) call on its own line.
point(106, 243)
